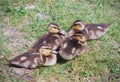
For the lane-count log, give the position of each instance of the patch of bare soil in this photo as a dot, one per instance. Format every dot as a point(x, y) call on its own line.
point(19, 73)
point(15, 43)
point(16, 40)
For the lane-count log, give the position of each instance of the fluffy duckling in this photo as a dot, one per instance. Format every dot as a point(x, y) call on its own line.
point(94, 31)
point(91, 31)
point(53, 38)
point(31, 59)
point(73, 46)
point(76, 26)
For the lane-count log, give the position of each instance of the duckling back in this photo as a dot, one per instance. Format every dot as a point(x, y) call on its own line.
point(71, 47)
point(52, 39)
point(68, 49)
point(94, 31)
point(28, 60)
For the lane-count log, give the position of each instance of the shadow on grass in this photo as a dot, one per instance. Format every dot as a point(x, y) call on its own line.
point(15, 66)
point(60, 60)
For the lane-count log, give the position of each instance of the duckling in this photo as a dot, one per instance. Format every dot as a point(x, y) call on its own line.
point(94, 31)
point(53, 38)
point(31, 59)
point(73, 46)
point(91, 31)
point(76, 26)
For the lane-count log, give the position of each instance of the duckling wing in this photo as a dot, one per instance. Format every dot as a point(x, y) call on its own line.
point(40, 41)
point(53, 40)
point(47, 39)
point(96, 30)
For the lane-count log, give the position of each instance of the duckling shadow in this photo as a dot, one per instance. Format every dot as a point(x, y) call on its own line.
point(60, 60)
point(15, 66)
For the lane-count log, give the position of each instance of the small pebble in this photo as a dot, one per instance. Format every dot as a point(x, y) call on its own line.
point(29, 7)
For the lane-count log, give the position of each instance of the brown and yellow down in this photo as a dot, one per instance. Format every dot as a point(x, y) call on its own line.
point(31, 59)
point(73, 46)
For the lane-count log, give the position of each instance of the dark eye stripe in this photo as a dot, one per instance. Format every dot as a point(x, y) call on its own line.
point(77, 25)
point(46, 48)
point(55, 27)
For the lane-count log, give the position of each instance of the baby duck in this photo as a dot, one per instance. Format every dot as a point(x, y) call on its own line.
point(76, 26)
point(73, 46)
point(53, 38)
point(94, 31)
point(91, 31)
point(31, 59)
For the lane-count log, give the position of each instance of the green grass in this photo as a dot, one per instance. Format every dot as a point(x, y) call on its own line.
point(100, 62)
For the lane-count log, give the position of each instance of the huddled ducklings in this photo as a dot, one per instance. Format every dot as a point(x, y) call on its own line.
point(41, 53)
point(53, 38)
point(73, 46)
point(31, 59)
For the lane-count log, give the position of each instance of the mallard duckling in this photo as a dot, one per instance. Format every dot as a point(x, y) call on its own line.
point(91, 31)
point(53, 38)
point(31, 59)
point(77, 25)
point(94, 31)
point(73, 46)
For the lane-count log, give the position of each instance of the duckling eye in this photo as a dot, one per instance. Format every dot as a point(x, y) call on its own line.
point(54, 27)
point(47, 48)
point(77, 25)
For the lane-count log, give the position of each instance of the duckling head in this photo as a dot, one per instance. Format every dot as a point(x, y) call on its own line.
point(46, 50)
point(79, 36)
point(55, 29)
point(78, 25)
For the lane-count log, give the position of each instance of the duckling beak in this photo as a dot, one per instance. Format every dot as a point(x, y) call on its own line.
point(62, 32)
point(54, 52)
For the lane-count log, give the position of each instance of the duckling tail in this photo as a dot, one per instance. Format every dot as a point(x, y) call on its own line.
point(106, 25)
